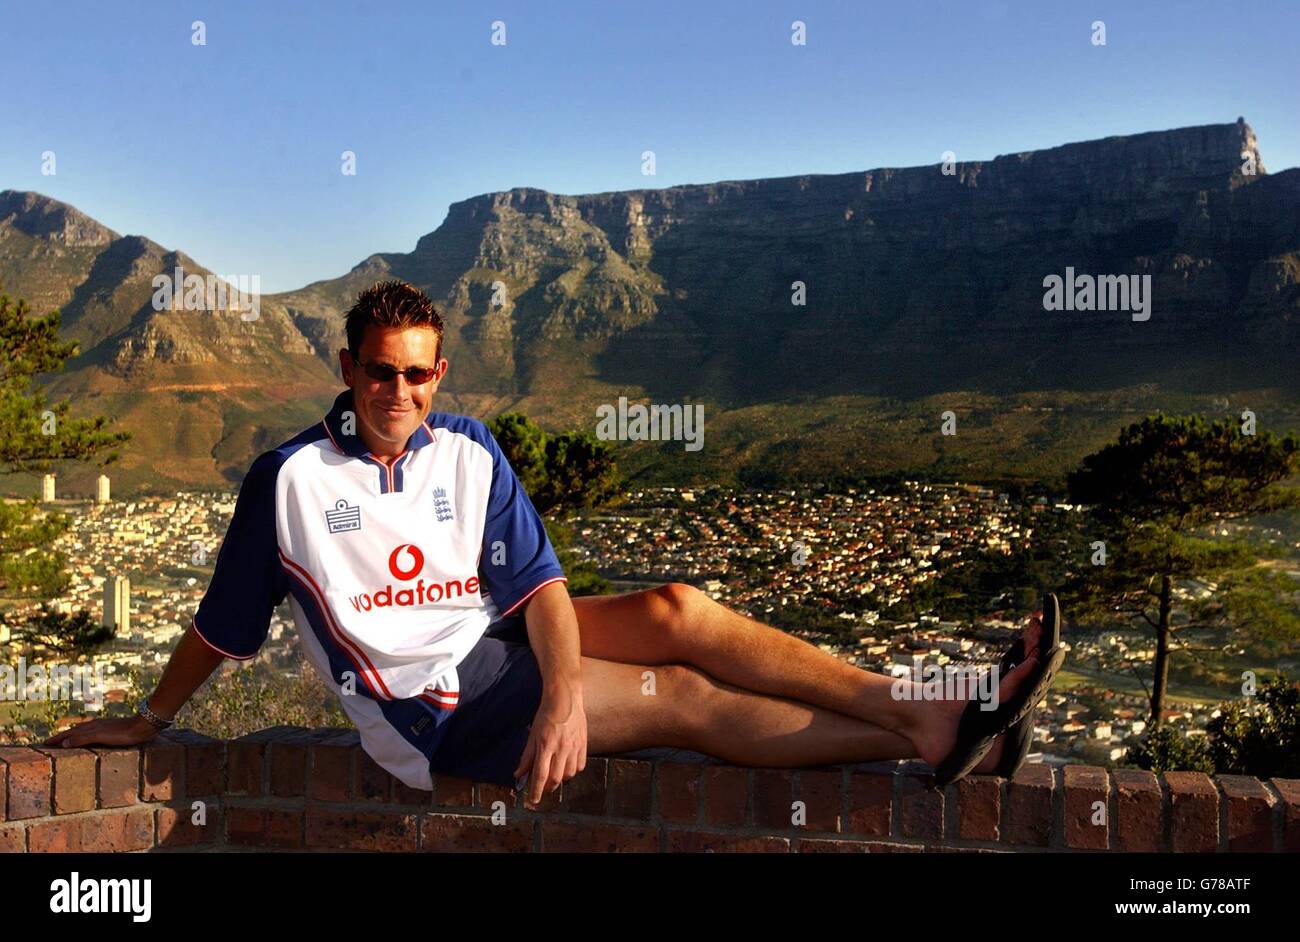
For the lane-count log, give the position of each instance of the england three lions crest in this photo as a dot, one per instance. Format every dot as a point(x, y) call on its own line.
point(441, 505)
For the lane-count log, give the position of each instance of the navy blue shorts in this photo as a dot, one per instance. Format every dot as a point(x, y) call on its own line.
point(500, 691)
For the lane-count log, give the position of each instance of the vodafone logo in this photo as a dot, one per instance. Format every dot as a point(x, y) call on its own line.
point(406, 562)
point(416, 557)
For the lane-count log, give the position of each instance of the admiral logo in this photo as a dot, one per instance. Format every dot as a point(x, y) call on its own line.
point(441, 505)
point(405, 563)
point(343, 517)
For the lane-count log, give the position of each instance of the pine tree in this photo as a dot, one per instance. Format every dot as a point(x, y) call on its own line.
point(560, 474)
point(1156, 495)
point(34, 436)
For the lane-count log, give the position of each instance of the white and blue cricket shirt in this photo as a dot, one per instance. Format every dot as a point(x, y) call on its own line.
point(392, 573)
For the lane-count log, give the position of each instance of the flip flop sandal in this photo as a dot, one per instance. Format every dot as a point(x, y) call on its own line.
point(1020, 735)
point(979, 729)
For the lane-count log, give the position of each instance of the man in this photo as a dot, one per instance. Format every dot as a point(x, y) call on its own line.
point(427, 595)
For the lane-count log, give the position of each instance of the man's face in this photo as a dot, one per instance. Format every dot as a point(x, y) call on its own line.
point(388, 412)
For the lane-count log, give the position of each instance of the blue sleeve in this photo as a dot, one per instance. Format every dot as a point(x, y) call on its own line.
point(517, 557)
point(248, 581)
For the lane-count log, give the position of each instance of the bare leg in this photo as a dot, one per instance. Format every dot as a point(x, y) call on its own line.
point(690, 710)
point(679, 624)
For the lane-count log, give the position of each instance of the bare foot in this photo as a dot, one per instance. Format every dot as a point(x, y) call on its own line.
point(936, 733)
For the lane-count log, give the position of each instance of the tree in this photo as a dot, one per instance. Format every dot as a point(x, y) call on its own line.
point(560, 473)
point(1258, 736)
point(34, 435)
point(63, 633)
point(580, 472)
point(1165, 749)
point(1154, 496)
point(524, 443)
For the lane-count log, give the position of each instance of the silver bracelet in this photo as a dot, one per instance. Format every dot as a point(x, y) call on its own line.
point(154, 719)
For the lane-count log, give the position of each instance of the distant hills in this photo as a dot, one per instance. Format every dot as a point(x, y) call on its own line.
point(924, 292)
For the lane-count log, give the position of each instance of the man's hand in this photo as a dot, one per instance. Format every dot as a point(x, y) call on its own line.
point(127, 731)
point(557, 740)
point(557, 744)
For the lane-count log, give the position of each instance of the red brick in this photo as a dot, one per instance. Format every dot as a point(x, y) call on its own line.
point(283, 828)
point(1139, 812)
point(586, 792)
point(808, 845)
point(176, 827)
point(288, 767)
point(1028, 811)
point(1083, 786)
point(264, 827)
point(1289, 790)
point(560, 837)
point(449, 791)
point(404, 794)
point(74, 779)
point(699, 842)
point(679, 791)
point(1193, 812)
point(630, 788)
point(119, 776)
point(4, 789)
point(1250, 814)
point(29, 781)
point(373, 781)
point(244, 825)
point(117, 831)
point(815, 846)
point(726, 796)
point(821, 793)
point(871, 800)
point(979, 807)
point(360, 830)
point(13, 840)
point(487, 794)
point(773, 799)
point(205, 761)
point(164, 771)
point(246, 759)
point(920, 808)
point(474, 833)
point(55, 836)
point(331, 772)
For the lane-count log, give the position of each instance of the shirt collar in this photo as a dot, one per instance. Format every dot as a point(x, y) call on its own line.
point(351, 444)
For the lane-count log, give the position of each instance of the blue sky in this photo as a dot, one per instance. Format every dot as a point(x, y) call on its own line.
point(231, 151)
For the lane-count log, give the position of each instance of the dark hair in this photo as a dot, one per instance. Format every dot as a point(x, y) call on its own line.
point(392, 304)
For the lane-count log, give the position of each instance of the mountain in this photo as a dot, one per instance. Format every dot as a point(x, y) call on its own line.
point(200, 391)
point(924, 292)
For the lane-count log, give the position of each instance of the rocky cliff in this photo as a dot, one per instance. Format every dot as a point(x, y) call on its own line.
point(920, 282)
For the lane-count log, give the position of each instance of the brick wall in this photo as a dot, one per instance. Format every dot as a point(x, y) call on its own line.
point(299, 789)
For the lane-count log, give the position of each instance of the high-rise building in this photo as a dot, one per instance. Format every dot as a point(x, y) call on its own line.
point(47, 488)
point(101, 489)
point(117, 604)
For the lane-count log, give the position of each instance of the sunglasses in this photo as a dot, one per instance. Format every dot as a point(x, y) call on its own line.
point(383, 373)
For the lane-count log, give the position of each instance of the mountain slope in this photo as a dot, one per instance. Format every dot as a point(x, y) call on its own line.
point(198, 389)
point(925, 291)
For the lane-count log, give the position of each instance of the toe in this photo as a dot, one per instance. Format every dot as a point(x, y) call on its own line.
point(1013, 679)
point(1033, 634)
